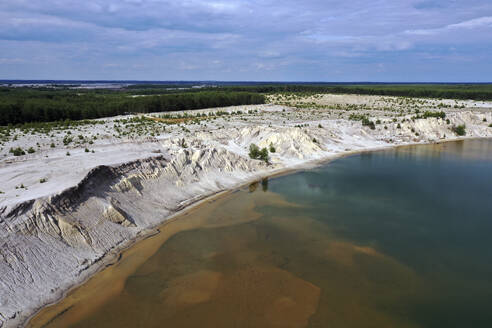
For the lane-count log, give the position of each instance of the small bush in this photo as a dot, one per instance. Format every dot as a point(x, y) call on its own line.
point(43, 180)
point(17, 151)
point(67, 140)
point(264, 155)
point(52, 145)
point(86, 150)
point(272, 149)
point(68, 153)
point(256, 153)
point(460, 130)
point(31, 150)
point(369, 123)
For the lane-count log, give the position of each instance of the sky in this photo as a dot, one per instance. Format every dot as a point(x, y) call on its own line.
point(238, 40)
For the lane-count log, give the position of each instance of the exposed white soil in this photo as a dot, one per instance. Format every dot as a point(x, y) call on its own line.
point(61, 215)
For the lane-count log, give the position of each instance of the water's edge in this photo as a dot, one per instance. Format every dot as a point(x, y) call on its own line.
point(115, 255)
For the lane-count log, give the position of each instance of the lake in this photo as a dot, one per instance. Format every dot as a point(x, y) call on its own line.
point(398, 237)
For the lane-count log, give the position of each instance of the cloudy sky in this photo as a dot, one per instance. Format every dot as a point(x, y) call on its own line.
point(260, 40)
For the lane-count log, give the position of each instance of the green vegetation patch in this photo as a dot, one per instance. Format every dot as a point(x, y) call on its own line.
point(17, 151)
point(428, 114)
point(256, 153)
point(24, 105)
point(460, 130)
point(364, 119)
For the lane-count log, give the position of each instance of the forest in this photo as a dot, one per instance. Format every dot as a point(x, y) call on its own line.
point(440, 91)
point(23, 105)
point(62, 102)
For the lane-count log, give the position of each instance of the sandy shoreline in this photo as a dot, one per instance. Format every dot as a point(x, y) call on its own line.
point(144, 184)
point(114, 256)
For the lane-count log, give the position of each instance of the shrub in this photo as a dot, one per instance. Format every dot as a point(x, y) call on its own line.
point(256, 153)
point(264, 155)
point(460, 130)
point(272, 149)
point(42, 180)
point(67, 140)
point(369, 123)
point(86, 150)
point(52, 145)
point(435, 114)
point(31, 150)
point(17, 151)
point(68, 153)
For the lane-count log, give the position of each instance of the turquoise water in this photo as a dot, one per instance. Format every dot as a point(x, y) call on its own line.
point(390, 238)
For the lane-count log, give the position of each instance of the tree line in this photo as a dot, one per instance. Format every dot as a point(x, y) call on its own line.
point(440, 91)
point(23, 106)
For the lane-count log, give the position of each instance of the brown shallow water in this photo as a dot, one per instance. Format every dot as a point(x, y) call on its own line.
point(348, 245)
point(220, 267)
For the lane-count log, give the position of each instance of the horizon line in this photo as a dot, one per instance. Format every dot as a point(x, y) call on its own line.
point(235, 81)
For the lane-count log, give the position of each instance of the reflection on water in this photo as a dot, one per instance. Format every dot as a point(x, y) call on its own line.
point(384, 239)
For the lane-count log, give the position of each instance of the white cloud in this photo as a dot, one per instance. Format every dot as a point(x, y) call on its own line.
point(468, 25)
